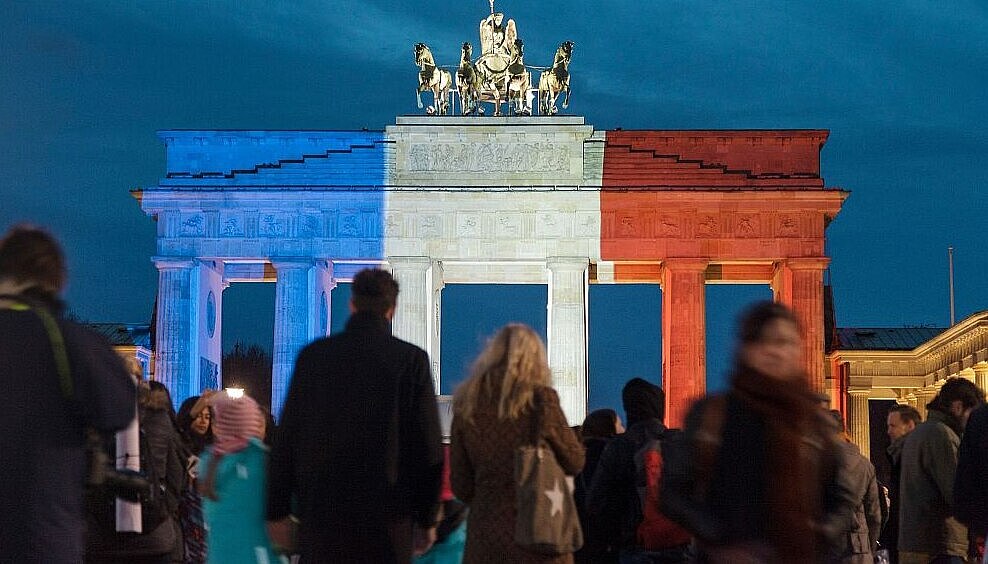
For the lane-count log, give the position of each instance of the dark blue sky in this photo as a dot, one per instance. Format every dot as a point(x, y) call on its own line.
point(901, 85)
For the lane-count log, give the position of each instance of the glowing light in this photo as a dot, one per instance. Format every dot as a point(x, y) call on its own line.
point(235, 392)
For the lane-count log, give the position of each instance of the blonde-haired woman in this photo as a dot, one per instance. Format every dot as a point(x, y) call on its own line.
point(494, 413)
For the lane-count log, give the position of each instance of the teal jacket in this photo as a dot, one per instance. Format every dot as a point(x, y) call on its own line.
point(235, 521)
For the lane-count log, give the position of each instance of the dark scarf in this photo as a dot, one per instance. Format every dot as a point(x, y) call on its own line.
point(793, 440)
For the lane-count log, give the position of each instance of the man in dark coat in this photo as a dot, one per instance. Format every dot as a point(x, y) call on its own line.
point(902, 420)
point(613, 495)
point(58, 379)
point(358, 448)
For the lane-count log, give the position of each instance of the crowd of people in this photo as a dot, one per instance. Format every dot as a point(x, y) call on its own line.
point(356, 470)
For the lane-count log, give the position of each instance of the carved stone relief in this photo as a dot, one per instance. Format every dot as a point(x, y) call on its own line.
point(272, 225)
point(349, 225)
point(707, 226)
point(467, 225)
point(548, 224)
point(587, 225)
point(746, 226)
point(193, 226)
point(669, 226)
point(392, 225)
point(430, 226)
point(787, 226)
point(488, 157)
point(508, 225)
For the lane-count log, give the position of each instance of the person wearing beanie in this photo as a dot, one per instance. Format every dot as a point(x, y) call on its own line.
point(613, 495)
point(233, 484)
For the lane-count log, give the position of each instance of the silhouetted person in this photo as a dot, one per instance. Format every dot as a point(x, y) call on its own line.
point(359, 445)
point(857, 544)
point(615, 495)
point(598, 428)
point(757, 478)
point(971, 483)
point(58, 379)
point(928, 529)
point(901, 420)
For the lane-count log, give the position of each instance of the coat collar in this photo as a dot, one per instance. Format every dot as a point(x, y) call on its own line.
point(366, 322)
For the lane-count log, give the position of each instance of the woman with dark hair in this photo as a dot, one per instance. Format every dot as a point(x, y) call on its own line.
point(194, 421)
point(757, 477)
point(597, 429)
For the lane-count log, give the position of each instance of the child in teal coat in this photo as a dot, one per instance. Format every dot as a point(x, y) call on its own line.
point(234, 486)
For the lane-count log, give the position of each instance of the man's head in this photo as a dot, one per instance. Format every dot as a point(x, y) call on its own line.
point(958, 398)
point(31, 259)
point(642, 400)
point(902, 419)
point(374, 291)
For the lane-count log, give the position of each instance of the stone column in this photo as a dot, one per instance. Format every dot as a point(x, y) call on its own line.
point(859, 421)
point(175, 329)
point(798, 283)
point(291, 324)
point(923, 397)
point(684, 340)
point(567, 332)
point(981, 376)
point(414, 320)
point(321, 304)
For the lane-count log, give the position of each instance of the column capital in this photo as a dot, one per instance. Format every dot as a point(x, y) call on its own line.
point(805, 263)
point(858, 392)
point(173, 263)
point(685, 264)
point(290, 263)
point(567, 263)
point(410, 263)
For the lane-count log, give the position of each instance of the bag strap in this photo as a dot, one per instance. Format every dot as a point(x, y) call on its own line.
point(535, 436)
point(55, 337)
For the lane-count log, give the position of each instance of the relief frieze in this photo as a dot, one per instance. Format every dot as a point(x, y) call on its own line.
point(467, 225)
point(193, 226)
point(488, 157)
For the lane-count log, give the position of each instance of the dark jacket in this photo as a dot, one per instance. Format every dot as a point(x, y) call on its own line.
point(161, 447)
point(613, 496)
point(43, 434)
point(358, 446)
point(929, 461)
point(889, 538)
point(599, 533)
point(482, 464)
point(734, 508)
point(971, 484)
point(857, 544)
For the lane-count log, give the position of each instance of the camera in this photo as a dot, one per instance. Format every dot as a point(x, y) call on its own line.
point(128, 485)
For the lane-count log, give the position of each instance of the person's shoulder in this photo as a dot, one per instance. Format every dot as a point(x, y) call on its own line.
point(546, 395)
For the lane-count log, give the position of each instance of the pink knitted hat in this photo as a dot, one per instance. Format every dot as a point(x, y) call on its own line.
point(235, 422)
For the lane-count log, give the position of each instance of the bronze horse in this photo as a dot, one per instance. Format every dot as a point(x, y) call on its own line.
point(468, 81)
point(432, 78)
point(556, 80)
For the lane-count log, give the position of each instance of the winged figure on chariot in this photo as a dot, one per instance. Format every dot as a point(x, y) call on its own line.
point(498, 76)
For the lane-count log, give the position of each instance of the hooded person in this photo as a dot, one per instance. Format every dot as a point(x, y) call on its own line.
point(613, 495)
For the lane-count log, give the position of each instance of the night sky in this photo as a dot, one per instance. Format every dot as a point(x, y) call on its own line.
point(901, 86)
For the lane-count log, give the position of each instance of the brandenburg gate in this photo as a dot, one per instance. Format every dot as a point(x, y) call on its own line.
point(504, 200)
